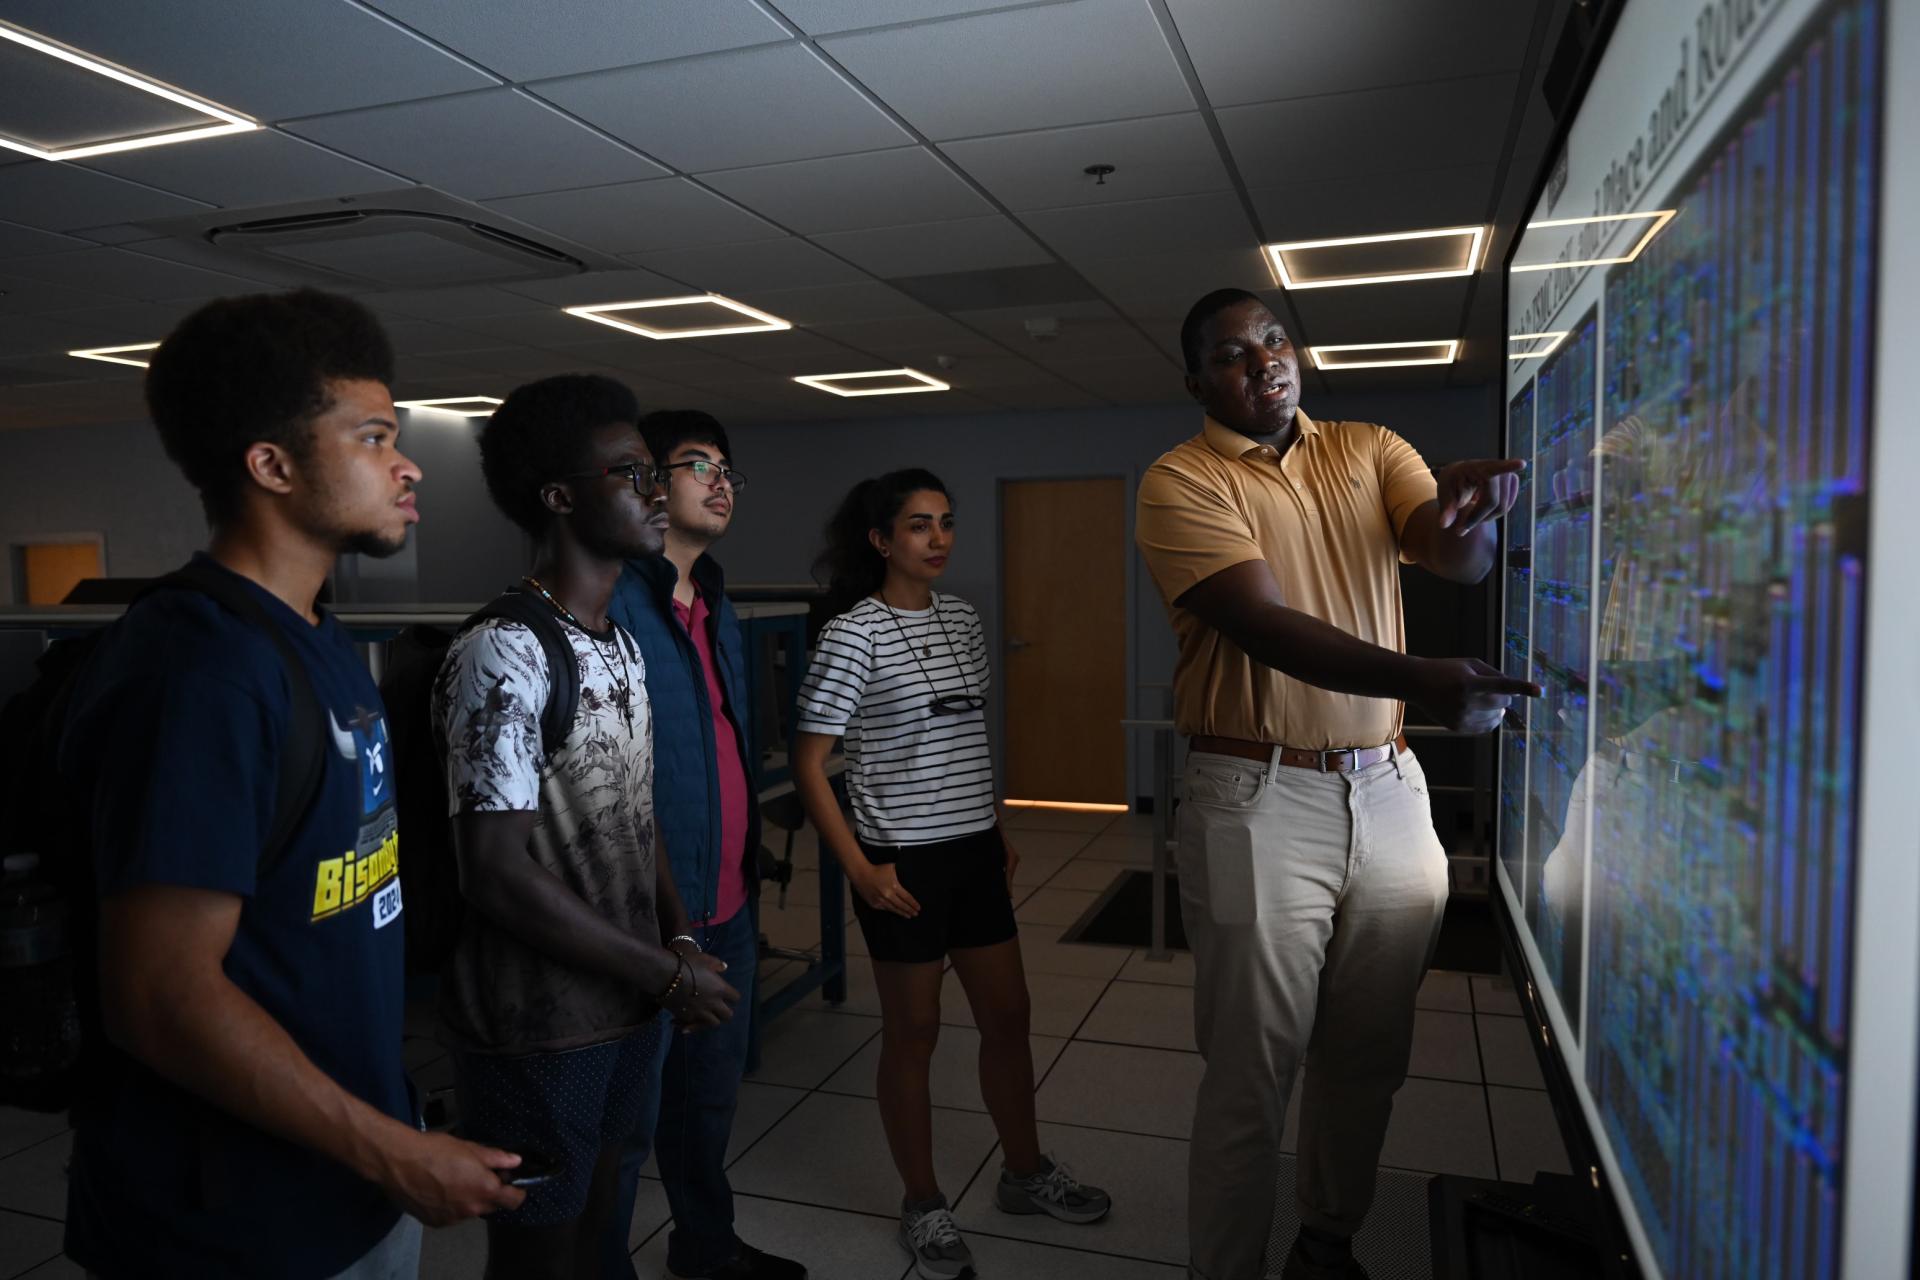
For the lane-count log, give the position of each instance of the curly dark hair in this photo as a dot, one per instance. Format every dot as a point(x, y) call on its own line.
point(239, 371)
point(852, 568)
point(540, 433)
point(667, 429)
point(1204, 310)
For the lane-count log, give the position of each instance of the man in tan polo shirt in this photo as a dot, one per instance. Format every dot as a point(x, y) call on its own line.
point(1311, 880)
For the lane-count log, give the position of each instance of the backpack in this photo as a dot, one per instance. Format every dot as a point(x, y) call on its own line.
point(54, 1053)
point(429, 867)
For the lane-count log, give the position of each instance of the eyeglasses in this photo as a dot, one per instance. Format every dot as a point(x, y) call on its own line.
point(646, 480)
point(709, 474)
point(955, 704)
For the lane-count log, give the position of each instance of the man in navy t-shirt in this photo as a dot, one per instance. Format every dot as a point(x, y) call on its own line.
point(254, 1116)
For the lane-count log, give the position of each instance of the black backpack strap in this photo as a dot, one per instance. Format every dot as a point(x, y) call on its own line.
point(303, 751)
point(563, 671)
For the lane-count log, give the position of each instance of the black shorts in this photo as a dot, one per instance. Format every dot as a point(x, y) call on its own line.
point(567, 1107)
point(961, 886)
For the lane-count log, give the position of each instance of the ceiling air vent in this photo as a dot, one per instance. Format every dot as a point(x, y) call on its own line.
point(394, 248)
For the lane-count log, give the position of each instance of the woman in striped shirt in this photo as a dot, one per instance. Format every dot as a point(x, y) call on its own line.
point(901, 673)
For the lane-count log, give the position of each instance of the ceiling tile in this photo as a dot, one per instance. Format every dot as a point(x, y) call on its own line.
point(824, 17)
point(728, 111)
point(1211, 223)
point(413, 337)
point(1024, 69)
point(910, 338)
point(270, 61)
point(790, 263)
point(649, 356)
point(1087, 330)
point(522, 40)
point(498, 142)
point(1151, 277)
point(548, 327)
point(787, 354)
point(450, 305)
point(1411, 311)
point(596, 287)
point(1045, 395)
point(634, 217)
point(1383, 44)
point(98, 326)
point(1127, 381)
point(850, 193)
point(1403, 200)
point(1045, 169)
point(127, 274)
point(929, 248)
point(246, 169)
point(836, 303)
point(59, 197)
point(1351, 135)
point(22, 297)
point(19, 242)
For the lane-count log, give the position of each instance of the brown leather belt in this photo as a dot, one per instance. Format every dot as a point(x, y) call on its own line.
point(1337, 760)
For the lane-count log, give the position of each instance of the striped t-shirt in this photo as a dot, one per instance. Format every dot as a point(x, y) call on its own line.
point(914, 777)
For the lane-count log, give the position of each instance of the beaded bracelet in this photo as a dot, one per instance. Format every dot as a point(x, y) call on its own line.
point(681, 969)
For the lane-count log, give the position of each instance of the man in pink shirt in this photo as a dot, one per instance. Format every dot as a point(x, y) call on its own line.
point(676, 609)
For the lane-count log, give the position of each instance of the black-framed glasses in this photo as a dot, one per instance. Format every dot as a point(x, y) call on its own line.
point(646, 480)
point(956, 704)
point(708, 473)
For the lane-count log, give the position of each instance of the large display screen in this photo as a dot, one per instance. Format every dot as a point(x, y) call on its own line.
point(1691, 340)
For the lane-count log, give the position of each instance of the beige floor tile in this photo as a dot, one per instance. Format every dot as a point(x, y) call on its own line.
point(1082, 874)
point(1526, 1136)
point(27, 1242)
point(1443, 989)
point(1003, 1259)
point(22, 1129)
point(1126, 846)
point(802, 1047)
point(831, 1151)
point(1054, 906)
point(830, 1243)
point(1143, 1013)
point(1444, 1046)
point(955, 1075)
point(1123, 1087)
point(1036, 870)
point(61, 1268)
point(1042, 952)
point(1439, 1126)
point(1175, 971)
point(1060, 1002)
point(1147, 1178)
point(1507, 1051)
point(35, 1180)
point(1494, 995)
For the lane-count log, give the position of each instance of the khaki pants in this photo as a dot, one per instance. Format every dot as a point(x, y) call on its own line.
point(1312, 902)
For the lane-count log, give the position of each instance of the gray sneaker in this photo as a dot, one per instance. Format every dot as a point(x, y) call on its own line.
point(929, 1234)
point(1053, 1190)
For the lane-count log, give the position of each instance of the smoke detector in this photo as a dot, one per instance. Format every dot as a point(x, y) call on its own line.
point(1043, 328)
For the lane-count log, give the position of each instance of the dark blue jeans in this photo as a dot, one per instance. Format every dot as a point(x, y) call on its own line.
point(698, 1090)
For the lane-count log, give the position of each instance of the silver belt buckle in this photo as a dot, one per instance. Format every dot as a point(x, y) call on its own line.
point(1327, 755)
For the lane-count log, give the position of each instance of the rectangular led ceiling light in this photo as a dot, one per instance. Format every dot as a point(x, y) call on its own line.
point(1409, 353)
point(463, 406)
point(700, 315)
point(116, 355)
point(222, 120)
point(898, 382)
point(1352, 260)
point(1535, 351)
point(1654, 218)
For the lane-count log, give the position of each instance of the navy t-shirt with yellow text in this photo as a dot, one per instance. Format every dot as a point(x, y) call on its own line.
point(173, 738)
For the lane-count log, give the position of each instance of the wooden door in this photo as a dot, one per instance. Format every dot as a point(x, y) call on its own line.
point(1063, 551)
point(51, 569)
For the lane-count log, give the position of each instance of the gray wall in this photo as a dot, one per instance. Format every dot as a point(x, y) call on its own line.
point(116, 481)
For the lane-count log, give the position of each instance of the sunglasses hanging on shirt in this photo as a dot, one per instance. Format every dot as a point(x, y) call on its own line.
point(942, 704)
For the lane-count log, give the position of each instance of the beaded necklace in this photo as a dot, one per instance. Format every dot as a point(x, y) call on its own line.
point(624, 682)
